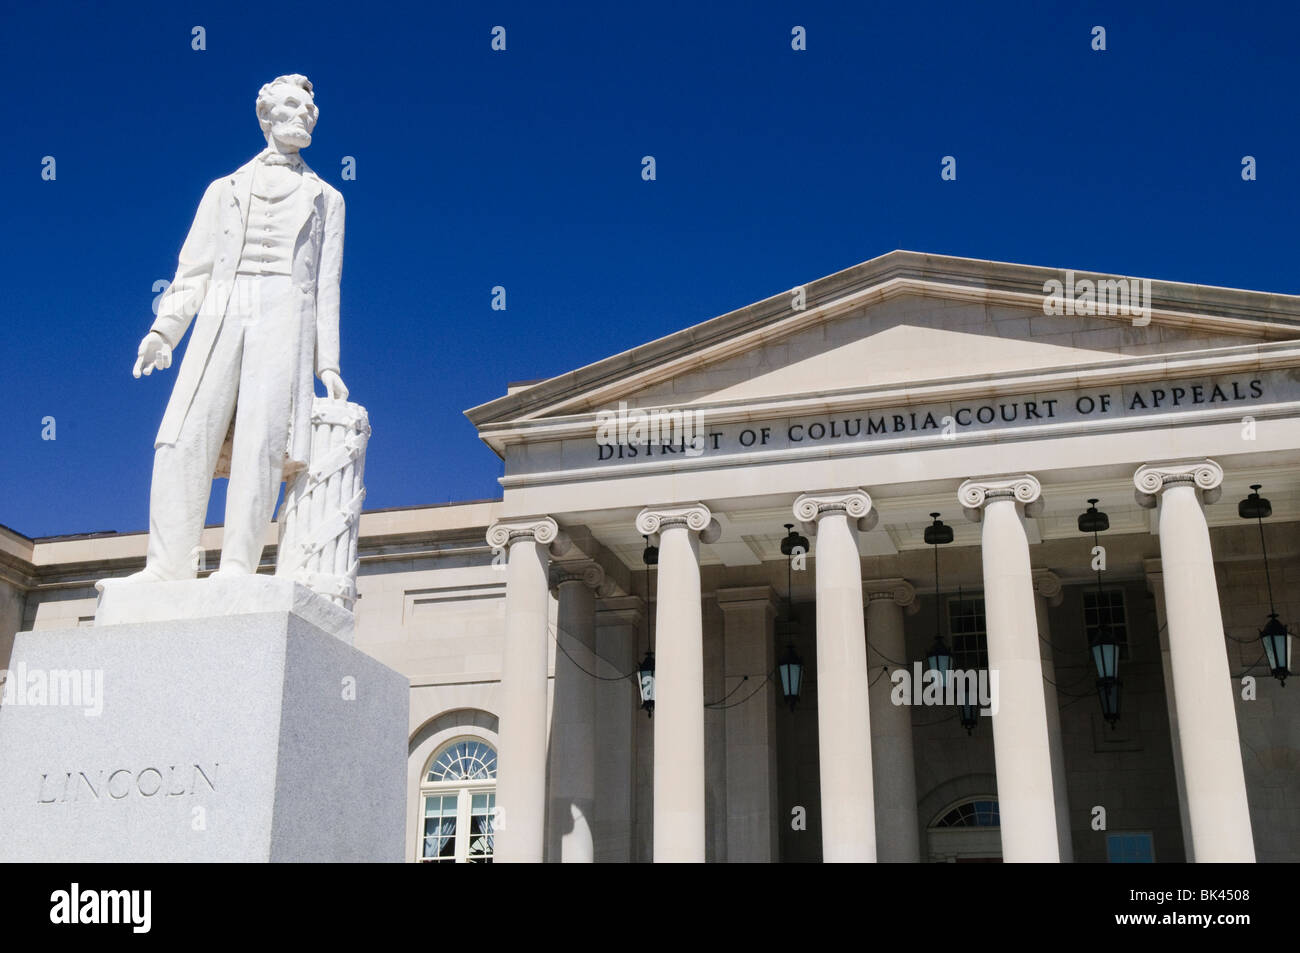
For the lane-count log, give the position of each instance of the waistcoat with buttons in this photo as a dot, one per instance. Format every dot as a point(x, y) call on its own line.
point(270, 234)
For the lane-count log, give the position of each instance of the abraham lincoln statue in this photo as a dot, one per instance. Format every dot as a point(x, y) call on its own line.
point(260, 270)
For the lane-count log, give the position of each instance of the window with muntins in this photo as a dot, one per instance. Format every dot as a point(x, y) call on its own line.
point(458, 797)
point(977, 812)
point(966, 625)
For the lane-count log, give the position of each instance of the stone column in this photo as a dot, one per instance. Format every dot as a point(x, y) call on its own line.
point(1207, 718)
point(679, 802)
point(749, 639)
point(843, 709)
point(1021, 750)
point(1155, 583)
point(898, 836)
point(618, 639)
point(521, 760)
point(573, 716)
point(1047, 588)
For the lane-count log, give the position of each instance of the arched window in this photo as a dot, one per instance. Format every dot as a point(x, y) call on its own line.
point(967, 831)
point(978, 812)
point(458, 793)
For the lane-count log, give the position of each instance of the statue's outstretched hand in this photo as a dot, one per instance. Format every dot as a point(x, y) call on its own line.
point(334, 385)
point(154, 354)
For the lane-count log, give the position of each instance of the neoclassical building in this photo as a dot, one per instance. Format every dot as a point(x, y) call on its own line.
point(1077, 491)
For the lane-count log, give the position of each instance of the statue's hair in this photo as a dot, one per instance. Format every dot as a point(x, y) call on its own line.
point(264, 95)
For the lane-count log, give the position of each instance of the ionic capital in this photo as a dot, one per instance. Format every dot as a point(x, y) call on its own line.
point(694, 516)
point(1153, 479)
point(1048, 585)
point(589, 574)
point(539, 529)
point(854, 503)
point(898, 591)
point(1022, 488)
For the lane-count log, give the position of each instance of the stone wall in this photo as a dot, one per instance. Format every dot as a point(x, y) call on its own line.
point(1268, 724)
point(1128, 769)
point(12, 599)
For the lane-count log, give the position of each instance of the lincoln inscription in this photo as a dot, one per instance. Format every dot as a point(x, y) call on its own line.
point(118, 784)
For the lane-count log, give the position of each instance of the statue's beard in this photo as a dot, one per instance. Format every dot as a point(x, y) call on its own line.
point(295, 136)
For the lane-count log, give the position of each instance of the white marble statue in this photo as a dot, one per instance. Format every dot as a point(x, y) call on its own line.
point(260, 270)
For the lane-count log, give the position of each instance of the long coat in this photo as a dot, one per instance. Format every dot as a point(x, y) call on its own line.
point(203, 284)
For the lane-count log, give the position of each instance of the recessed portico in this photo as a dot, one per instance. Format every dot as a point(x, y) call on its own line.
point(831, 414)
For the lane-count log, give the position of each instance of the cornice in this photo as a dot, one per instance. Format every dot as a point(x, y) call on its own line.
point(907, 443)
point(1123, 370)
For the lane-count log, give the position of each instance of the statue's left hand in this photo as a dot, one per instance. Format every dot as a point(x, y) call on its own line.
point(334, 385)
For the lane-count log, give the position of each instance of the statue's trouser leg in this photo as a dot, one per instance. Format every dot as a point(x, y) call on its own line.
point(182, 472)
point(261, 419)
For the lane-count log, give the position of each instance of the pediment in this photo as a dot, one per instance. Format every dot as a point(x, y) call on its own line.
point(898, 321)
point(912, 339)
point(915, 338)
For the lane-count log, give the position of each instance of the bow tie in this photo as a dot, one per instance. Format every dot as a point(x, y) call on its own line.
point(276, 158)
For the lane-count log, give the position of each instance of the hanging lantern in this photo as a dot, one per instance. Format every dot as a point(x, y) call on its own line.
point(1108, 693)
point(1274, 635)
point(938, 659)
point(938, 533)
point(1277, 647)
point(791, 669)
point(1101, 641)
point(645, 677)
point(1254, 506)
point(793, 541)
point(791, 545)
point(970, 714)
point(1105, 651)
point(645, 673)
point(1105, 656)
point(1093, 520)
point(791, 665)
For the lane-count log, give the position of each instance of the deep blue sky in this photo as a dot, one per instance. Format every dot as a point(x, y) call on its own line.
point(522, 169)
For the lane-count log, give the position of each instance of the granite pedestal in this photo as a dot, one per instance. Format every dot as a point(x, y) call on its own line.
point(252, 736)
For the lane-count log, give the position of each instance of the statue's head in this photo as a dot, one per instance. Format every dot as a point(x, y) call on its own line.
point(286, 111)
